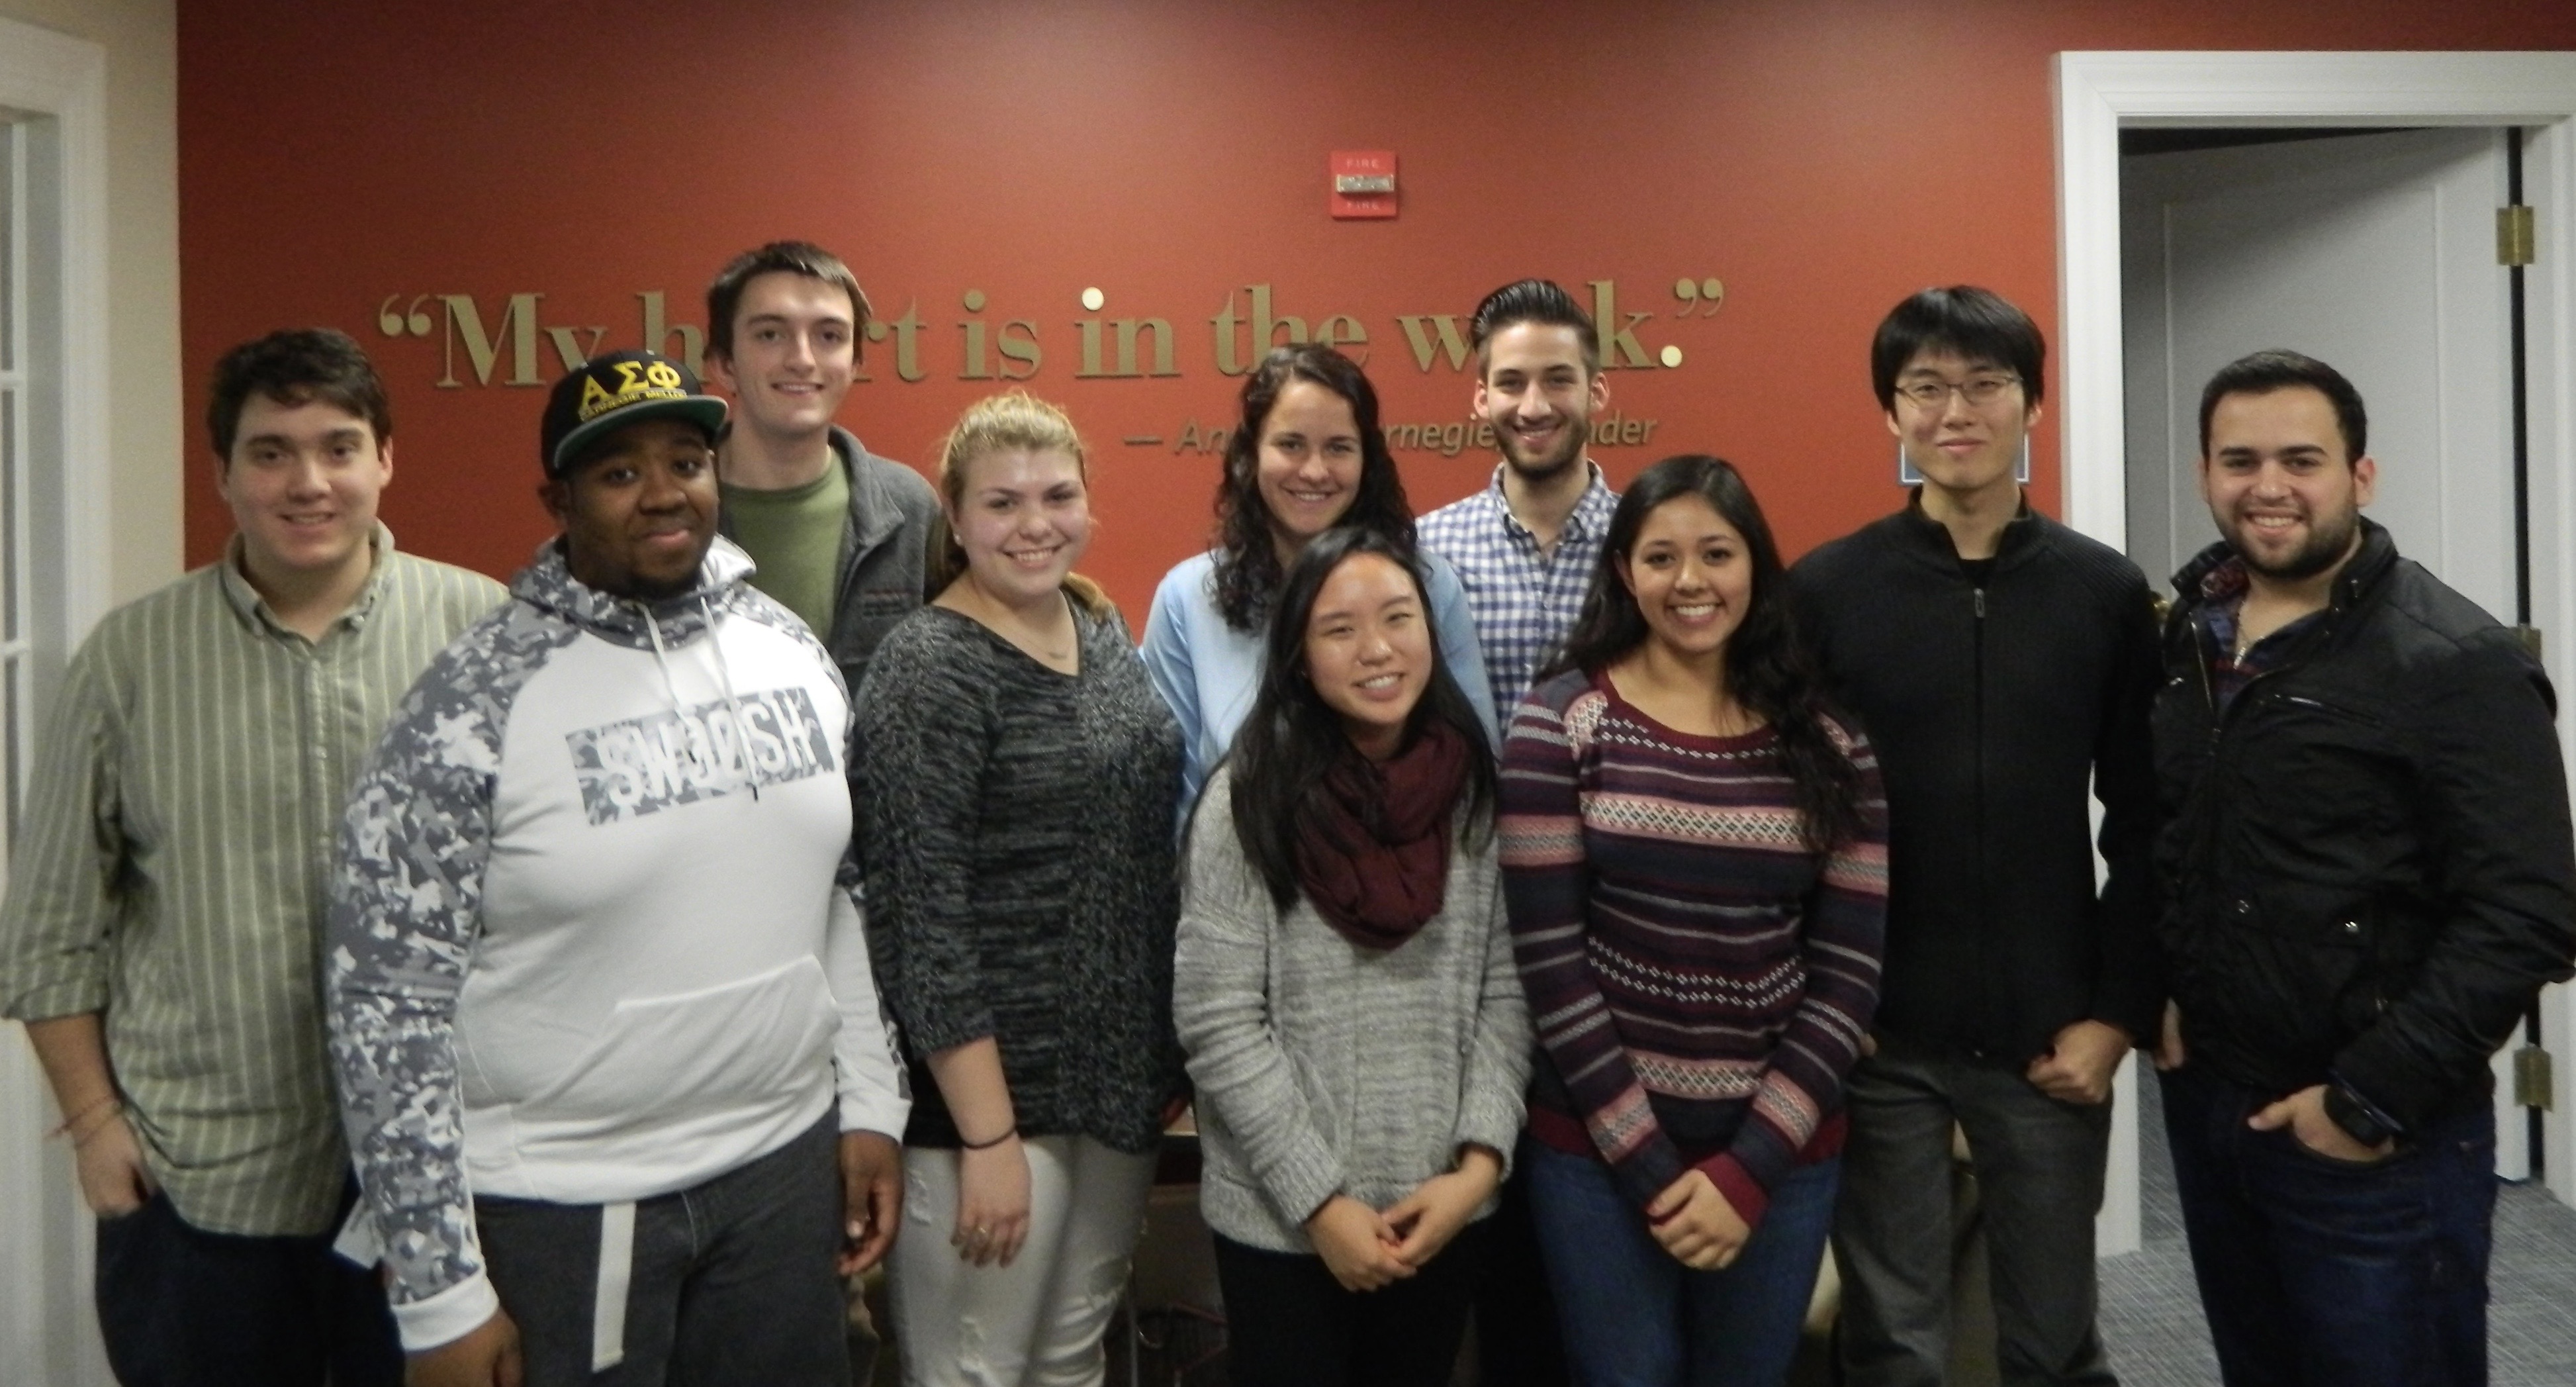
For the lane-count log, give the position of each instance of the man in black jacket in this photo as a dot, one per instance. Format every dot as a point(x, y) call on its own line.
point(2368, 857)
point(2003, 666)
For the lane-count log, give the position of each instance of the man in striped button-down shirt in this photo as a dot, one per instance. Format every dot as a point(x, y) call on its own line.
point(163, 925)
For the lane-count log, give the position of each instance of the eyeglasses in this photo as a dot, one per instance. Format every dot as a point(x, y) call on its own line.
point(1978, 391)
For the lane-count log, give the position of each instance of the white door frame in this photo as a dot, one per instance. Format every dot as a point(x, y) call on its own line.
point(48, 1332)
point(2099, 93)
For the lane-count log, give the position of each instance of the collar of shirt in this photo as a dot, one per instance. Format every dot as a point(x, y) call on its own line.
point(254, 609)
point(2223, 593)
point(1589, 518)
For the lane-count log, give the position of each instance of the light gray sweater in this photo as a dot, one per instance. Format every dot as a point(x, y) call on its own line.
point(1327, 1068)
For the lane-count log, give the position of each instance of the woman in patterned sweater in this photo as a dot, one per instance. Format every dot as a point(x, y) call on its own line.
point(1694, 854)
point(1017, 777)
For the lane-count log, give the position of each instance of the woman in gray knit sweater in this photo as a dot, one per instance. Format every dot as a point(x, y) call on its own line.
point(1017, 782)
point(1345, 989)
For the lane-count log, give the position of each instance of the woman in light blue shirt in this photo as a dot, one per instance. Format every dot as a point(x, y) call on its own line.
point(1306, 456)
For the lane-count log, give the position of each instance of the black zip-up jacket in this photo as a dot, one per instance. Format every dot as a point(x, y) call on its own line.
point(2367, 853)
point(1995, 710)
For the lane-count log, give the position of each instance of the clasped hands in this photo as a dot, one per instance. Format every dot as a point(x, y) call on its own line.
point(1694, 1222)
point(1366, 1249)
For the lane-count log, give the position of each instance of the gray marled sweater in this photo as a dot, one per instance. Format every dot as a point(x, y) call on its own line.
point(1327, 1068)
point(1016, 829)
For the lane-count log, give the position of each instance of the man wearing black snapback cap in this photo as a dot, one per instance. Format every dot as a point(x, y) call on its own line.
point(599, 997)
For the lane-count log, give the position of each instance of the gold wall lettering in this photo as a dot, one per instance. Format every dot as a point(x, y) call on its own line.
point(507, 341)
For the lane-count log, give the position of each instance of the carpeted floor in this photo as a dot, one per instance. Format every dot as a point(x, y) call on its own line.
point(2152, 1325)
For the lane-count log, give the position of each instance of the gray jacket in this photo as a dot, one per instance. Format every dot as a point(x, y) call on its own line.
point(1325, 1068)
point(884, 551)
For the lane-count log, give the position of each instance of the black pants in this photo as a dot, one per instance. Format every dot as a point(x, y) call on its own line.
point(1517, 1344)
point(1290, 1324)
point(180, 1306)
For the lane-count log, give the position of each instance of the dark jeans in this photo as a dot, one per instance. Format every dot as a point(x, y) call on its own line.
point(730, 1281)
point(2319, 1271)
point(2039, 1164)
point(1288, 1323)
point(178, 1305)
point(1634, 1317)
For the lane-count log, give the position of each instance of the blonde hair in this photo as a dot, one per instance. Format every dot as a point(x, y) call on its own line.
point(1014, 419)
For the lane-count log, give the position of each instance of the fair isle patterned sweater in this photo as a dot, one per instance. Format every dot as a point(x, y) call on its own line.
point(595, 935)
point(1700, 981)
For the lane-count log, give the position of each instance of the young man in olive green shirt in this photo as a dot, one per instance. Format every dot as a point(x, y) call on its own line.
point(837, 531)
point(163, 923)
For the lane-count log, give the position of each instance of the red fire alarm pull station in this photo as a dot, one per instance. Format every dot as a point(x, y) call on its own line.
point(1363, 183)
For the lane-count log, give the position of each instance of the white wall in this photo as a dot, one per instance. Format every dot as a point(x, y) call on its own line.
point(147, 439)
point(125, 390)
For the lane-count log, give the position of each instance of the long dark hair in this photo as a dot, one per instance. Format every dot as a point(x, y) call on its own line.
point(1767, 668)
point(1247, 558)
point(1292, 738)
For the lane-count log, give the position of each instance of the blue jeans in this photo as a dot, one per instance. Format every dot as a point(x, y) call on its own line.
point(1634, 1317)
point(2319, 1271)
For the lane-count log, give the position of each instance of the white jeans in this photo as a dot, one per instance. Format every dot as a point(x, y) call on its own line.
point(1038, 1321)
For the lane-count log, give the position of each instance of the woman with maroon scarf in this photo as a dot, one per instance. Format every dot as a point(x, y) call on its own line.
point(1345, 988)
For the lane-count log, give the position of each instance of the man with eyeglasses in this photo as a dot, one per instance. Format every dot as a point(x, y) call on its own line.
point(2004, 665)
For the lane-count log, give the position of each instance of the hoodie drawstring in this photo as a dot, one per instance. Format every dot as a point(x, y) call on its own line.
point(724, 675)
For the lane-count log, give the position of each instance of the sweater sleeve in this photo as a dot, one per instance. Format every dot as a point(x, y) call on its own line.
point(1547, 886)
point(1842, 939)
point(1491, 1105)
point(1221, 1005)
point(2128, 991)
point(923, 748)
point(1454, 621)
point(406, 910)
point(867, 1062)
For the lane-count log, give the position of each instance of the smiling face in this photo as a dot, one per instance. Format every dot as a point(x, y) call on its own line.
point(1539, 396)
point(1368, 650)
point(1692, 576)
point(2280, 485)
point(1308, 469)
point(1962, 445)
point(639, 511)
point(303, 482)
point(1024, 520)
point(795, 352)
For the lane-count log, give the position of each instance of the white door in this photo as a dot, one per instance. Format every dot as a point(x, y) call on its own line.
point(2374, 253)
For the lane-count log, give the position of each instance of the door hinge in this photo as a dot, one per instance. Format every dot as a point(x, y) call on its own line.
point(2515, 236)
point(2530, 638)
point(2532, 1084)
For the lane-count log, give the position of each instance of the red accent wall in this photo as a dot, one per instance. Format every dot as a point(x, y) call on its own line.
point(1822, 158)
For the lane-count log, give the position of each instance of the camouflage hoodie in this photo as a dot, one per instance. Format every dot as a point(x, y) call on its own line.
point(595, 935)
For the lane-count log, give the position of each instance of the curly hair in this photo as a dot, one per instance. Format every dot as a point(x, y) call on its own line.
point(1248, 570)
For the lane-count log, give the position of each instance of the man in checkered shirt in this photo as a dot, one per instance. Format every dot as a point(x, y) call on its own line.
point(1525, 546)
point(1527, 543)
